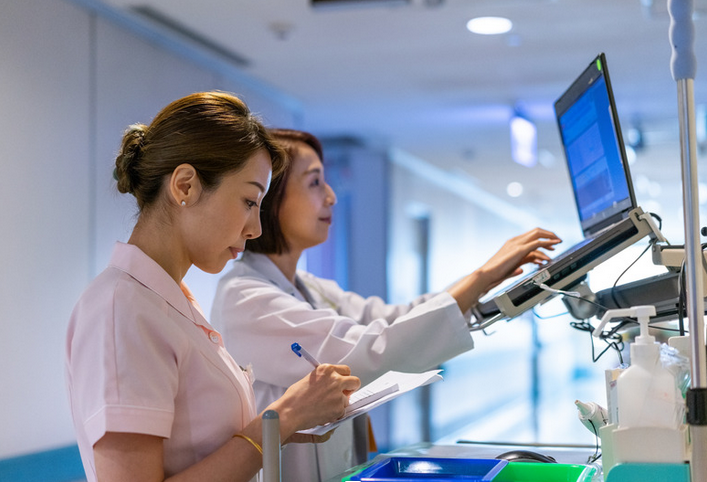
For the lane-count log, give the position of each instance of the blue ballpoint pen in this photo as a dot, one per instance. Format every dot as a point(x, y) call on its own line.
point(301, 352)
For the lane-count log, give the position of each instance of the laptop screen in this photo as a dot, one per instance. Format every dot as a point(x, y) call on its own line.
point(594, 149)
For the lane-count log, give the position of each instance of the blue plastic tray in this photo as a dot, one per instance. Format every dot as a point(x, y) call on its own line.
point(412, 469)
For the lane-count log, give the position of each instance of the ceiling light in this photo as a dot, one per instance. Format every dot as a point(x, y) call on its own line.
point(489, 25)
point(514, 189)
point(630, 154)
point(524, 141)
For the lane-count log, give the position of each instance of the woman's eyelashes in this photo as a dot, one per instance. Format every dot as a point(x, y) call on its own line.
point(318, 181)
point(251, 204)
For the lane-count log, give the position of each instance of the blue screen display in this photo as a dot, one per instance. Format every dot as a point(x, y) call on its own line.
point(593, 153)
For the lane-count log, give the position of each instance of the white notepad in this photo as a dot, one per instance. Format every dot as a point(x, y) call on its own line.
point(370, 393)
point(383, 389)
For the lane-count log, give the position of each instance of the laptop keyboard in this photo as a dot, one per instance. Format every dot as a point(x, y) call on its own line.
point(571, 250)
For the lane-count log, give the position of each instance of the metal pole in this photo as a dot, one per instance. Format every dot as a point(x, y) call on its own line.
point(271, 446)
point(693, 248)
point(683, 67)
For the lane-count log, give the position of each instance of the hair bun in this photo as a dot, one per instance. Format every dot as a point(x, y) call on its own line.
point(130, 152)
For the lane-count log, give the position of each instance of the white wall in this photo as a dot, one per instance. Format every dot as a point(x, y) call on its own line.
point(44, 148)
point(70, 82)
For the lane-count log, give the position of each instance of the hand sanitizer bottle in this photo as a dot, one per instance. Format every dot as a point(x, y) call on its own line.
point(650, 406)
point(647, 393)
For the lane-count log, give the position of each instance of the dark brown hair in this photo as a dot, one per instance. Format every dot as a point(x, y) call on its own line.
point(212, 131)
point(272, 241)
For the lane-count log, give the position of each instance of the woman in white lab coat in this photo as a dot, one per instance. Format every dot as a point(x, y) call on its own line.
point(264, 304)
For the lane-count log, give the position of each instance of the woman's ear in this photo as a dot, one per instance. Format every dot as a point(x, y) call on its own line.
point(184, 185)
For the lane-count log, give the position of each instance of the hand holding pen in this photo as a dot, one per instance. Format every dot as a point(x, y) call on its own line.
point(320, 397)
point(302, 353)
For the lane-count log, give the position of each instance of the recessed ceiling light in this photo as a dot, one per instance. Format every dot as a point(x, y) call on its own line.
point(489, 25)
point(514, 189)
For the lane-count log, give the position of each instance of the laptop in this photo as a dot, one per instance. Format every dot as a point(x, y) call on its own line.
point(603, 193)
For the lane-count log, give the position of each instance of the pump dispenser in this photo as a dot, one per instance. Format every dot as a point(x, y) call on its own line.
point(650, 405)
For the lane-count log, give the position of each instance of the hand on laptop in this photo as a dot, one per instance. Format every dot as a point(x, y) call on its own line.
point(517, 251)
point(507, 262)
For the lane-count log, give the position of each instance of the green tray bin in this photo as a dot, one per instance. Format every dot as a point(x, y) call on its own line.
point(541, 472)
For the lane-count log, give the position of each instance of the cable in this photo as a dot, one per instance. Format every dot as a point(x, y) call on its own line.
point(617, 343)
point(613, 288)
point(545, 287)
point(660, 220)
point(650, 244)
point(586, 300)
point(594, 457)
point(612, 337)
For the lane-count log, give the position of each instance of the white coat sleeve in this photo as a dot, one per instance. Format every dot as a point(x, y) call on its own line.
point(259, 322)
point(350, 304)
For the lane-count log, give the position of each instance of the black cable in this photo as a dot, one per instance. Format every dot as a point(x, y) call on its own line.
point(650, 243)
point(617, 344)
point(659, 219)
point(613, 288)
point(593, 458)
point(611, 337)
point(587, 300)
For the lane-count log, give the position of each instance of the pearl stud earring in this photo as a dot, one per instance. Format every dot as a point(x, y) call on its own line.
point(184, 203)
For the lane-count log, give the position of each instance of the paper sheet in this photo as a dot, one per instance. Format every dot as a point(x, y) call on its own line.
point(405, 382)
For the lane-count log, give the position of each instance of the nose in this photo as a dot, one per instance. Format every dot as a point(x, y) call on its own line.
point(330, 195)
point(253, 228)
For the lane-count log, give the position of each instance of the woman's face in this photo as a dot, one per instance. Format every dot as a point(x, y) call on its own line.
point(306, 210)
point(223, 219)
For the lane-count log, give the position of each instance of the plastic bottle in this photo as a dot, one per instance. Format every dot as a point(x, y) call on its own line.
point(592, 415)
point(650, 407)
point(647, 392)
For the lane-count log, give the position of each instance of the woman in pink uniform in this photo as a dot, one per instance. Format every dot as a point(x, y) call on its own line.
point(154, 394)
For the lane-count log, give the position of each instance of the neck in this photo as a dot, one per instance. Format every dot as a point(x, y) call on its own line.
point(161, 244)
point(287, 263)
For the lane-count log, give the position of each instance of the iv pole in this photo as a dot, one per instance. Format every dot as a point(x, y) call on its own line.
point(683, 67)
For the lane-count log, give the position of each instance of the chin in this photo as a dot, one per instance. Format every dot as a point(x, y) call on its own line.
point(213, 268)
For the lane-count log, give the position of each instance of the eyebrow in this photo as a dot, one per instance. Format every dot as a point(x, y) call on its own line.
point(258, 185)
point(314, 170)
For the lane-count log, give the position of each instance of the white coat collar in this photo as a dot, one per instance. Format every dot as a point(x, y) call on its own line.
point(260, 266)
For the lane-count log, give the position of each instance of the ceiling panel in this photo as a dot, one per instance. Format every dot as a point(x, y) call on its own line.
point(408, 74)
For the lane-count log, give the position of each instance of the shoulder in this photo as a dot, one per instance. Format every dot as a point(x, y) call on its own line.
point(249, 275)
point(115, 305)
point(328, 286)
point(116, 289)
point(239, 278)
